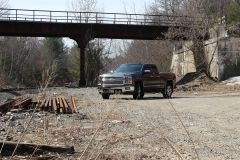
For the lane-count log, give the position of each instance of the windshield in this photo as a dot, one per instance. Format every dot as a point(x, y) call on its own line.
point(128, 68)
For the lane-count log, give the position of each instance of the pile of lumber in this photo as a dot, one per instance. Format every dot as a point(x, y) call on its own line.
point(16, 103)
point(59, 105)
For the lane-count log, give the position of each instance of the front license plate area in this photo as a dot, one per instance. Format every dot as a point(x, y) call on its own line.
point(110, 91)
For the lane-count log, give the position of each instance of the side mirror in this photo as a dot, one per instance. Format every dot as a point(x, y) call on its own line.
point(146, 71)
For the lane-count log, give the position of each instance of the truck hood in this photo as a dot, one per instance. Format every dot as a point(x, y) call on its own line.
point(117, 74)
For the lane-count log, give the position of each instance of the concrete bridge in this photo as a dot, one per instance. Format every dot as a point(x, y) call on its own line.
point(85, 26)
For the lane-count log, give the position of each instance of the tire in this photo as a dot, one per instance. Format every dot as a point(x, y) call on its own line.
point(138, 91)
point(168, 91)
point(105, 95)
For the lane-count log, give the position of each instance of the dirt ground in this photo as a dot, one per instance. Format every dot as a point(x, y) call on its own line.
point(191, 125)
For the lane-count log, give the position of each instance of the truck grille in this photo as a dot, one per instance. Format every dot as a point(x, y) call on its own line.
point(113, 80)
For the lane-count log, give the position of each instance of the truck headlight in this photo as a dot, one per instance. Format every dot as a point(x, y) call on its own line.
point(128, 80)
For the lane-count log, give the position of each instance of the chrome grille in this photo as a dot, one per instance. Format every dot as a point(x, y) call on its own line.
point(113, 80)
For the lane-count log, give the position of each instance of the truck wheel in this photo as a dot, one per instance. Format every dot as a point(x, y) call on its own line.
point(138, 91)
point(105, 96)
point(168, 91)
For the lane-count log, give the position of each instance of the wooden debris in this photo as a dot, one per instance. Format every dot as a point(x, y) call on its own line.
point(28, 148)
point(59, 105)
point(13, 104)
point(54, 105)
point(22, 102)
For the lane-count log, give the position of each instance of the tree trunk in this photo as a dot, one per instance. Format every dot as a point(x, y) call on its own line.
point(200, 57)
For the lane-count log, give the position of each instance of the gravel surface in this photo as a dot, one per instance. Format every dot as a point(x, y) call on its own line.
point(190, 126)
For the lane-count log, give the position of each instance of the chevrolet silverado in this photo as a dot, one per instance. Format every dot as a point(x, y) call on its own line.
point(136, 79)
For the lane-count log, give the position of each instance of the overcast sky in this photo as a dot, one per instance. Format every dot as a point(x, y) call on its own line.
point(104, 5)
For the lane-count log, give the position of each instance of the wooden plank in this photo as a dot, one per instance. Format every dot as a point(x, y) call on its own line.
point(71, 106)
point(61, 105)
point(74, 103)
point(16, 101)
point(58, 102)
point(23, 102)
point(67, 108)
point(46, 103)
point(50, 104)
point(42, 104)
point(54, 105)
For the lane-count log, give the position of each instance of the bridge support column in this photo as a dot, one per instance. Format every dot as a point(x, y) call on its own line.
point(82, 42)
point(82, 81)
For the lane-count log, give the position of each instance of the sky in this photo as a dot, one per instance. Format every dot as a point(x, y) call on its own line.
point(116, 6)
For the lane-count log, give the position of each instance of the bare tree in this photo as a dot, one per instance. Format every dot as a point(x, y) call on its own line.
point(48, 75)
point(86, 6)
point(167, 6)
point(195, 18)
point(3, 4)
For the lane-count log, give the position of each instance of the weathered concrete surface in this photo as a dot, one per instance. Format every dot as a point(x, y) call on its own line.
point(220, 50)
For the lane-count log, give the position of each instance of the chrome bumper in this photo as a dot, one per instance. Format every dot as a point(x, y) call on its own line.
point(111, 89)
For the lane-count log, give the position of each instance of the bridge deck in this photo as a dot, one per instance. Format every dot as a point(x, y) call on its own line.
point(90, 17)
point(43, 23)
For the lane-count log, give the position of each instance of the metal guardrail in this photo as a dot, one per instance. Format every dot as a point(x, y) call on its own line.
point(90, 17)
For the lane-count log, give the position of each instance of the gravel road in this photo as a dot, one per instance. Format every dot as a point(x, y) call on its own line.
point(189, 126)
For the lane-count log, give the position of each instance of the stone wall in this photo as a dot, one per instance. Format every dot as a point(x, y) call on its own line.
point(219, 50)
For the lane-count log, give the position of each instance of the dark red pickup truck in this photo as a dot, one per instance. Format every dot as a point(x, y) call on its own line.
point(136, 79)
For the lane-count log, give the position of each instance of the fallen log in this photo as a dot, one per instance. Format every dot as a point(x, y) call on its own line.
point(29, 148)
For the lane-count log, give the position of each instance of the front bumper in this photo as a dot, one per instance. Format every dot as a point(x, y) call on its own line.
point(126, 89)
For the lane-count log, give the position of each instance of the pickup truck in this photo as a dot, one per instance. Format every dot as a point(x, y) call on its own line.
point(136, 80)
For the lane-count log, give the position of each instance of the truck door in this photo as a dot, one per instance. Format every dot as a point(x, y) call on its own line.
point(151, 78)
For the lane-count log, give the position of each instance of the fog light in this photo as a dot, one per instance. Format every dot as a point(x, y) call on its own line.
point(127, 88)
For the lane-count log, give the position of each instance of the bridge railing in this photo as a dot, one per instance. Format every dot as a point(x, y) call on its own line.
point(89, 17)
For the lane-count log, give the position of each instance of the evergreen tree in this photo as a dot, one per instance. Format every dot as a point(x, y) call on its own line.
point(56, 51)
point(93, 62)
point(233, 12)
